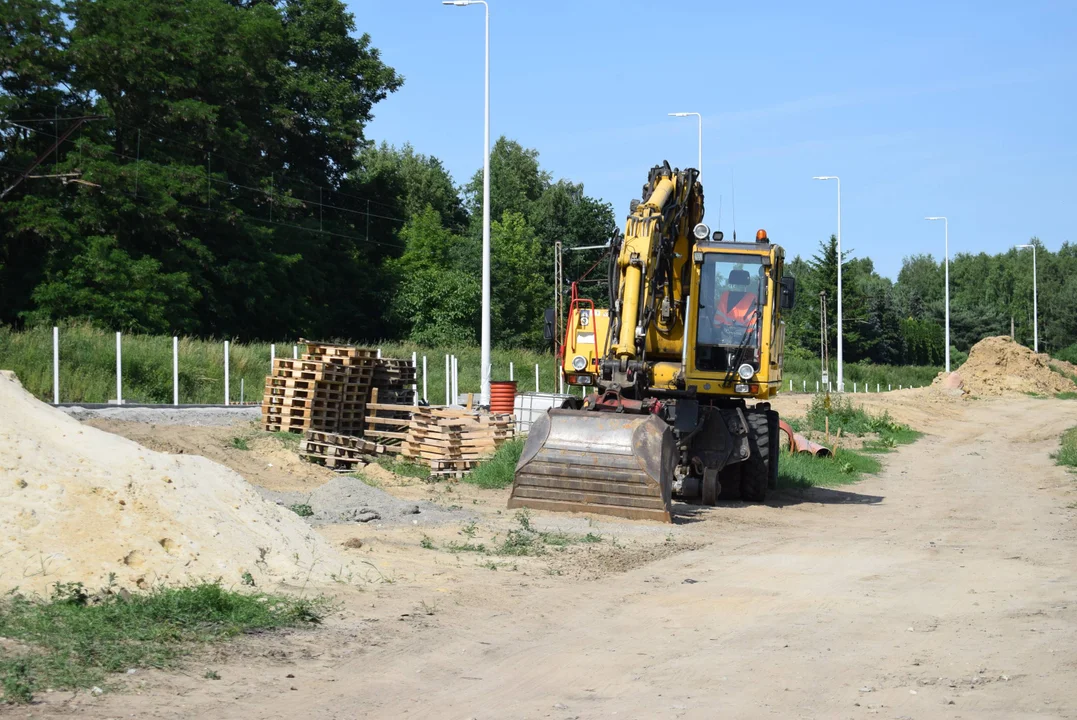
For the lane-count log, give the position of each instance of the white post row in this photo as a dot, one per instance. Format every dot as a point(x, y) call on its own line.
point(448, 380)
point(175, 370)
point(56, 365)
point(226, 393)
point(425, 398)
point(119, 373)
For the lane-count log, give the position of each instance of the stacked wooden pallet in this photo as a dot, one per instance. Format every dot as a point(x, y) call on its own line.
point(387, 422)
point(340, 452)
point(303, 395)
point(358, 364)
point(395, 381)
point(453, 441)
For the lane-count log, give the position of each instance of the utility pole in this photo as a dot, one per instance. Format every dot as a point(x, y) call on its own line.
point(558, 312)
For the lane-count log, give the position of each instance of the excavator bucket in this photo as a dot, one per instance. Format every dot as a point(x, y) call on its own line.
point(597, 462)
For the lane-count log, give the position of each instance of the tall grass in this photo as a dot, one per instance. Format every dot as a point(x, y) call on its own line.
point(499, 470)
point(1067, 452)
point(88, 366)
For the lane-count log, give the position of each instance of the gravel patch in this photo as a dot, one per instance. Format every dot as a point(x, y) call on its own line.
point(200, 417)
point(348, 499)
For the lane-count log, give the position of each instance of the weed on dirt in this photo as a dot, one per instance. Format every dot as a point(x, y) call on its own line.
point(526, 540)
point(73, 640)
point(497, 472)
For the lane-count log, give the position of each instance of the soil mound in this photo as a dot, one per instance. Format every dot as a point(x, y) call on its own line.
point(79, 504)
point(1000, 366)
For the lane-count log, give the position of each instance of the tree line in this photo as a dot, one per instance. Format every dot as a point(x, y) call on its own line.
point(204, 169)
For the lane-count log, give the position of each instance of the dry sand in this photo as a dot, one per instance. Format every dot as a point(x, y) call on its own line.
point(80, 505)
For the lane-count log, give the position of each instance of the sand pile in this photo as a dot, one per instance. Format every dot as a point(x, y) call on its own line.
point(999, 366)
point(79, 504)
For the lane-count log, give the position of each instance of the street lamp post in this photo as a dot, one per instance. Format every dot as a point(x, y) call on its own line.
point(1035, 307)
point(699, 167)
point(841, 355)
point(484, 353)
point(946, 229)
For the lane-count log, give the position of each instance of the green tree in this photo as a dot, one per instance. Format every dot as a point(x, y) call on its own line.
point(436, 302)
point(519, 288)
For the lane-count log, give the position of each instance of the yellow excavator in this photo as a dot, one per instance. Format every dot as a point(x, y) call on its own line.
point(694, 333)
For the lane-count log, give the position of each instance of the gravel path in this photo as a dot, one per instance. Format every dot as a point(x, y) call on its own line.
point(200, 417)
point(348, 499)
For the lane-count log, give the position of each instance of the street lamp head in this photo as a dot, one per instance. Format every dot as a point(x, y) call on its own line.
point(935, 217)
point(457, 3)
point(825, 177)
point(1026, 246)
point(682, 114)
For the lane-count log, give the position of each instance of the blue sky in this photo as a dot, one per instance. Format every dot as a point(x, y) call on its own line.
point(964, 109)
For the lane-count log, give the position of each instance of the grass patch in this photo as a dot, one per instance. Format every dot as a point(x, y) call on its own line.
point(404, 468)
point(498, 471)
point(367, 480)
point(1067, 452)
point(802, 470)
point(73, 641)
point(302, 509)
point(241, 443)
point(1068, 395)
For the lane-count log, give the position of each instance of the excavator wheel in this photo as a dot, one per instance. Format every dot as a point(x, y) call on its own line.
point(755, 476)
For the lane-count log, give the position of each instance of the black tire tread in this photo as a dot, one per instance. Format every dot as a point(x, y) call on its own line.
point(755, 478)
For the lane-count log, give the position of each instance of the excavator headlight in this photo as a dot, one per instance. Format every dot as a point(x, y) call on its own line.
point(746, 371)
point(701, 231)
point(579, 363)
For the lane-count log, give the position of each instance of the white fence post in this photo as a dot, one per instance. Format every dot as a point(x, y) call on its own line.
point(804, 386)
point(295, 352)
point(425, 398)
point(816, 386)
point(448, 380)
point(226, 372)
point(512, 373)
point(536, 379)
point(241, 391)
point(175, 370)
point(415, 385)
point(889, 388)
point(379, 353)
point(790, 384)
point(854, 388)
point(56, 365)
point(455, 397)
point(272, 356)
point(119, 372)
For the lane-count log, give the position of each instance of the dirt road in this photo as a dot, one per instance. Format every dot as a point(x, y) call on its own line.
point(946, 587)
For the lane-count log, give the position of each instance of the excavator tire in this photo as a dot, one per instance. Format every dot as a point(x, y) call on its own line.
point(755, 476)
point(730, 478)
